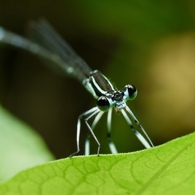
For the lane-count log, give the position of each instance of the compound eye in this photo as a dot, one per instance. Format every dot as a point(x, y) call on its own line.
point(130, 92)
point(103, 103)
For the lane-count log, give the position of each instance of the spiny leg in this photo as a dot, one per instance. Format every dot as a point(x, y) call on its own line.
point(137, 133)
point(139, 125)
point(88, 113)
point(110, 142)
point(87, 141)
point(92, 133)
point(87, 145)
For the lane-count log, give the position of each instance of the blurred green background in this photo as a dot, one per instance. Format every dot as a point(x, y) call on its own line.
point(146, 43)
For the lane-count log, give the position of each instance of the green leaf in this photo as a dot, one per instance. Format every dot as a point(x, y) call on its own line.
point(167, 169)
point(20, 146)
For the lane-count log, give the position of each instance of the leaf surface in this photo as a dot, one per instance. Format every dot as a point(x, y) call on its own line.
point(167, 169)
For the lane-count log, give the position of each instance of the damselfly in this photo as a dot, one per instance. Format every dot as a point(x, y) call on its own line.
point(47, 43)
